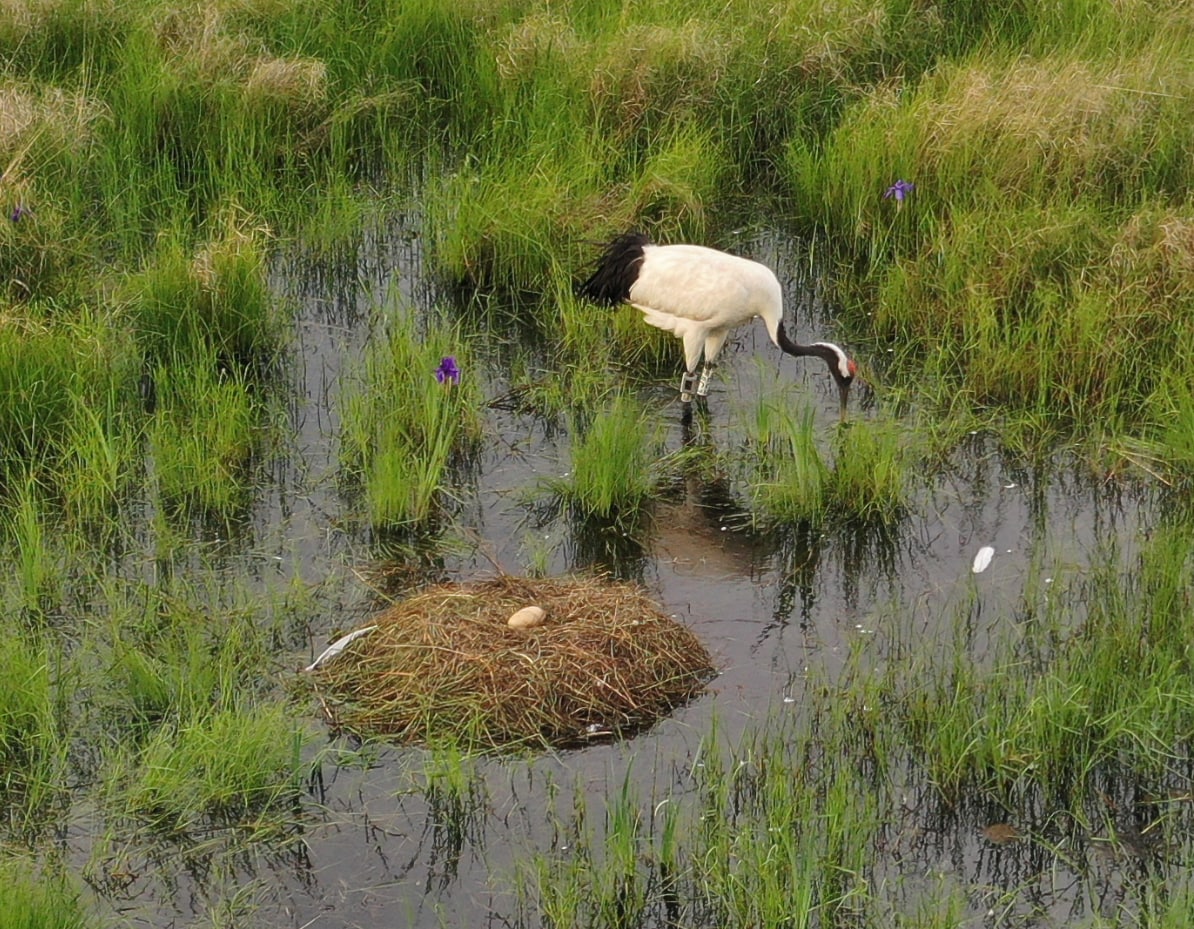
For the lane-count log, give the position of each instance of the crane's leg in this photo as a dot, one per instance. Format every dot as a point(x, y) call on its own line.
point(686, 381)
point(714, 340)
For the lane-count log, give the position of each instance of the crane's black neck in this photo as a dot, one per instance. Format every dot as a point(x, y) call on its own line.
point(830, 354)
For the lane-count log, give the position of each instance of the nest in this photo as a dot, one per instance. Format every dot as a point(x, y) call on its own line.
point(444, 664)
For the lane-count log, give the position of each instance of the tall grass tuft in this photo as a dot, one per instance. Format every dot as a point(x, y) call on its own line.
point(224, 765)
point(870, 478)
point(212, 301)
point(206, 430)
point(59, 374)
point(788, 475)
point(33, 732)
point(38, 575)
point(615, 464)
point(406, 421)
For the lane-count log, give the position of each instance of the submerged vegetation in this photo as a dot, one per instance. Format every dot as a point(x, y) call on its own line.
point(1028, 286)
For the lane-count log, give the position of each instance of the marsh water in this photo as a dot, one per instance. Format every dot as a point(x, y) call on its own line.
point(782, 611)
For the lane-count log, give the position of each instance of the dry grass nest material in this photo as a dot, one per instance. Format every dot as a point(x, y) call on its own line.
point(445, 664)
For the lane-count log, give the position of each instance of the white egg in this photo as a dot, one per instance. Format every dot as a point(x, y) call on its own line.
point(527, 617)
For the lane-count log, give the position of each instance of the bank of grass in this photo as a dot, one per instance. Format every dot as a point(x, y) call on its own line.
point(33, 729)
point(1040, 267)
point(56, 372)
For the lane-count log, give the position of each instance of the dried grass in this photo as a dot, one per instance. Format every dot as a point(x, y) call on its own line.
point(201, 41)
point(240, 237)
point(50, 116)
point(444, 664)
point(660, 69)
point(299, 82)
point(22, 19)
point(539, 38)
point(1063, 113)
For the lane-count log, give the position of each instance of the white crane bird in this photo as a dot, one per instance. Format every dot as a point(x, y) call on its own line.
point(699, 294)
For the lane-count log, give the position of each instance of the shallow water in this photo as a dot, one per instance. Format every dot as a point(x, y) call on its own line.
point(777, 610)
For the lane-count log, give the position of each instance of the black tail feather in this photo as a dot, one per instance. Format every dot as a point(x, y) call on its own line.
point(617, 269)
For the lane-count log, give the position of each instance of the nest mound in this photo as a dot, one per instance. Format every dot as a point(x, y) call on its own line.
point(444, 663)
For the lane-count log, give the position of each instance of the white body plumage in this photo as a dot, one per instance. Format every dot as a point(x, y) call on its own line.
point(699, 294)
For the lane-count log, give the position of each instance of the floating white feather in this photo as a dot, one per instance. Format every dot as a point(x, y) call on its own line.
point(337, 647)
point(983, 559)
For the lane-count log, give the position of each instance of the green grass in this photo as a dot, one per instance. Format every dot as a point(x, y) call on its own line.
point(1036, 268)
point(1100, 682)
point(31, 727)
point(225, 765)
point(210, 300)
point(871, 478)
point(788, 475)
point(32, 900)
point(206, 431)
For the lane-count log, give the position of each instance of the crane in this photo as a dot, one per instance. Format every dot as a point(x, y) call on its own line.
point(699, 294)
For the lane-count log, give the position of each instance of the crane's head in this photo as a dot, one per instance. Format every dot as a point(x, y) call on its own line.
point(841, 367)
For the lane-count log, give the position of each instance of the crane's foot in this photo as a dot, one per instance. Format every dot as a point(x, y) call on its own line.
point(703, 386)
point(686, 387)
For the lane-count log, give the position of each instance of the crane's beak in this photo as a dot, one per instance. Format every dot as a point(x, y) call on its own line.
point(843, 391)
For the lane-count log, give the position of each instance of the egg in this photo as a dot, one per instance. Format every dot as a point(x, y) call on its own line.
point(526, 618)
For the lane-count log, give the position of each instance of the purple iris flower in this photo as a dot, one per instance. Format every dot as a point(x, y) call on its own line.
point(448, 372)
point(19, 212)
point(900, 189)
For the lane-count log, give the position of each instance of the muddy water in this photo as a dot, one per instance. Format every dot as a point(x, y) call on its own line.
point(777, 610)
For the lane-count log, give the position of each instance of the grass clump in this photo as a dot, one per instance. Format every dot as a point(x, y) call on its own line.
point(189, 730)
point(869, 481)
point(444, 665)
point(862, 478)
point(30, 900)
point(30, 730)
point(66, 398)
point(408, 417)
point(789, 475)
point(214, 302)
point(227, 764)
point(614, 464)
point(205, 432)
